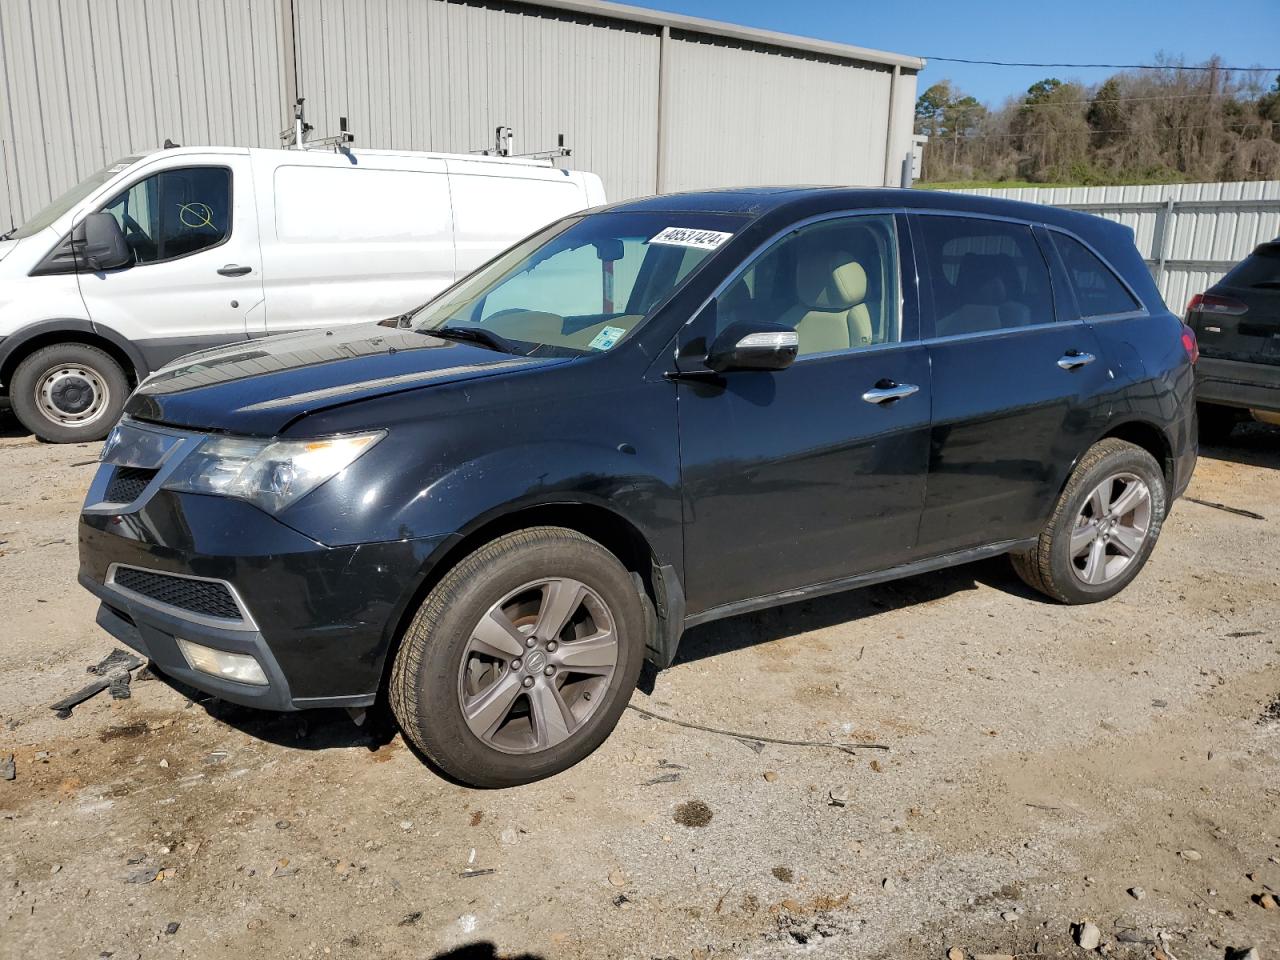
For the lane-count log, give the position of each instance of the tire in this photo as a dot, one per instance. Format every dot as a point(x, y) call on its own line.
point(1054, 569)
point(442, 664)
point(1216, 422)
point(68, 393)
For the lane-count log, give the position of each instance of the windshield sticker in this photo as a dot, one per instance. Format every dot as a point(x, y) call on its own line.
point(688, 237)
point(606, 338)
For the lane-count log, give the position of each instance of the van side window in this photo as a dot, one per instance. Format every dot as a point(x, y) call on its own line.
point(985, 275)
point(174, 213)
point(1098, 291)
point(835, 282)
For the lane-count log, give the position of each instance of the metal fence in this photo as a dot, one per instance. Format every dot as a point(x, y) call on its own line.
point(1189, 233)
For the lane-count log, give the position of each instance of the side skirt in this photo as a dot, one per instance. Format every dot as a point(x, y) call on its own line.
point(860, 580)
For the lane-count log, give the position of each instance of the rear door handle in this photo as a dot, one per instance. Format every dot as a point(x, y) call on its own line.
point(1073, 360)
point(234, 270)
point(886, 391)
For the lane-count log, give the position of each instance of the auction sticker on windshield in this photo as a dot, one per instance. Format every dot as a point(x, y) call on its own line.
point(688, 237)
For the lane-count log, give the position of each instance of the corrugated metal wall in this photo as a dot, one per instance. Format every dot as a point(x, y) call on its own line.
point(1189, 233)
point(429, 75)
point(84, 82)
point(742, 114)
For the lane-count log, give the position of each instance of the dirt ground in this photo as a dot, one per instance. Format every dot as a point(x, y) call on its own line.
point(1042, 762)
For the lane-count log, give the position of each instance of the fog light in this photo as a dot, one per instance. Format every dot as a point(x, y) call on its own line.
point(219, 663)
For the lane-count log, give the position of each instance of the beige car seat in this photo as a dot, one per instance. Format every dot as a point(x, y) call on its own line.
point(831, 312)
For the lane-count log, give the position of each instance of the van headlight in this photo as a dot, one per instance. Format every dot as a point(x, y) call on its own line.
point(270, 474)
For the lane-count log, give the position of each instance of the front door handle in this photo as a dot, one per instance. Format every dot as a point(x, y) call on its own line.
point(886, 391)
point(234, 270)
point(1074, 359)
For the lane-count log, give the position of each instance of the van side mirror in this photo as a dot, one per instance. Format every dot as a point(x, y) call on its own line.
point(99, 243)
point(754, 345)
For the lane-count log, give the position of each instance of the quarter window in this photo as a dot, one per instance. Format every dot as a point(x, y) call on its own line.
point(1098, 291)
point(985, 275)
point(174, 213)
point(835, 282)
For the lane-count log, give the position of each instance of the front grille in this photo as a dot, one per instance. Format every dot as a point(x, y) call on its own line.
point(127, 484)
point(205, 597)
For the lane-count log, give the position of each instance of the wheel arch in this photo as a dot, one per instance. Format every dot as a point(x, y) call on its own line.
point(19, 345)
point(1151, 438)
point(613, 531)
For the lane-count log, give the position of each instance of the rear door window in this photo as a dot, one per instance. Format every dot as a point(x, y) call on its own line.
point(1098, 290)
point(985, 275)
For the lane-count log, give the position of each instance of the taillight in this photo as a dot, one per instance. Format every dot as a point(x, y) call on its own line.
point(1215, 303)
point(1189, 344)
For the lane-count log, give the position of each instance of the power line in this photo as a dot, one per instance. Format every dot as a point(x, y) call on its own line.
point(1105, 66)
point(1234, 125)
point(1069, 103)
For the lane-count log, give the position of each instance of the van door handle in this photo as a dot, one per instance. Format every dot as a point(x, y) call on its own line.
point(234, 270)
point(886, 391)
point(1074, 359)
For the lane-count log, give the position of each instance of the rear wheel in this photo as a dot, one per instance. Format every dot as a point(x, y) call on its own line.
point(1216, 422)
point(521, 660)
point(68, 393)
point(1103, 527)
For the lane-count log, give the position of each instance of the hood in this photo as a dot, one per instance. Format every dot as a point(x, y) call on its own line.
point(6, 246)
point(261, 386)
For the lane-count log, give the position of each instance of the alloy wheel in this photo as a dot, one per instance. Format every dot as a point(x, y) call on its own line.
point(1110, 528)
point(537, 665)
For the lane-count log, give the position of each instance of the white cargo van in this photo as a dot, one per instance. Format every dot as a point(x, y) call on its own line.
point(190, 247)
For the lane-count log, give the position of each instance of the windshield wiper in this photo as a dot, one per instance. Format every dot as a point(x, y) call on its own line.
point(476, 335)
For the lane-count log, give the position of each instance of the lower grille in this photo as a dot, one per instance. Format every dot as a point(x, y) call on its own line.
point(127, 484)
point(205, 597)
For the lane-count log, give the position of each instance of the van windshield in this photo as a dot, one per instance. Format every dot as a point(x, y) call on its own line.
point(69, 199)
point(579, 287)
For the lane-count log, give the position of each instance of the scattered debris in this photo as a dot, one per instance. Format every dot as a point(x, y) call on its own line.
point(8, 771)
point(113, 672)
point(1087, 935)
point(955, 953)
point(770, 776)
point(783, 874)
point(1243, 953)
point(477, 872)
point(409, 919)
point(1271, 712)
point(1137, 893)
point(665, 778)
point(839, 797)
point(750, 739)
point(1222, 506)
point(1267, 901)
point(1189, 855)
point(282, 868)
point(172, 927)
point(617, 878)
point(145, 875)
point(693, 813)
point(888, 884)
point(1011, 916)
point(510, 836)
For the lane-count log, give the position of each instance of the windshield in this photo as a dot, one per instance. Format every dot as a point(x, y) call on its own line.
point(69, 199)
point(580, 286)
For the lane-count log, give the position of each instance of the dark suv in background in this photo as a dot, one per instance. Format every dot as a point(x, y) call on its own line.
point(491, 510)
point(1237, 322)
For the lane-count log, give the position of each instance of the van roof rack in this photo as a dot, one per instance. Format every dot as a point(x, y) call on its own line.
point(295, 137)
point(504, 146)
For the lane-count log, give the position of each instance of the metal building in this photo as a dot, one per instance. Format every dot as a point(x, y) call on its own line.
point(652, 102)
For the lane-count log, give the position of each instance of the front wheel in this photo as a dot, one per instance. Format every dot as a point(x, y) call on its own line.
point(521, 660)
point(68, 393)
point(1103, 527)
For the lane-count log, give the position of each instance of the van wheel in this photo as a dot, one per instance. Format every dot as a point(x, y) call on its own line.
point(1103, 527)
point(521, 660)
point(68, 393)
point(1216, 422)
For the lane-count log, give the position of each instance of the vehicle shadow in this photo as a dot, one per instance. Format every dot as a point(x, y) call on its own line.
point(804, 616)
point(1250, 444)
point(482, 950)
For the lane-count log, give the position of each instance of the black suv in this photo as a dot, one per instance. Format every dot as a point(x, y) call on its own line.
point(493, 509)
point(1237, 322)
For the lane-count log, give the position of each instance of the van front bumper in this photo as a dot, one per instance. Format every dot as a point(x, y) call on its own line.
point(319, 620)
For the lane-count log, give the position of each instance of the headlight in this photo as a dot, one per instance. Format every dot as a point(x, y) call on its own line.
point(268, 473)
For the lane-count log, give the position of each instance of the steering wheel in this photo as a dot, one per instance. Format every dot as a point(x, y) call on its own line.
point(137, 238)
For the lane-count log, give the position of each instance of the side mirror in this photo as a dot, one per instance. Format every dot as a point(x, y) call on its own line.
point(100, 243)
point(753, 345)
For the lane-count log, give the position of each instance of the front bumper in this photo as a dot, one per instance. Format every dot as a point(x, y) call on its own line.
point(322, 619)
point(1235, 383)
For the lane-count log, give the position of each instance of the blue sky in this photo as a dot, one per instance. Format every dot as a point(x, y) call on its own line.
point(1242, 32)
